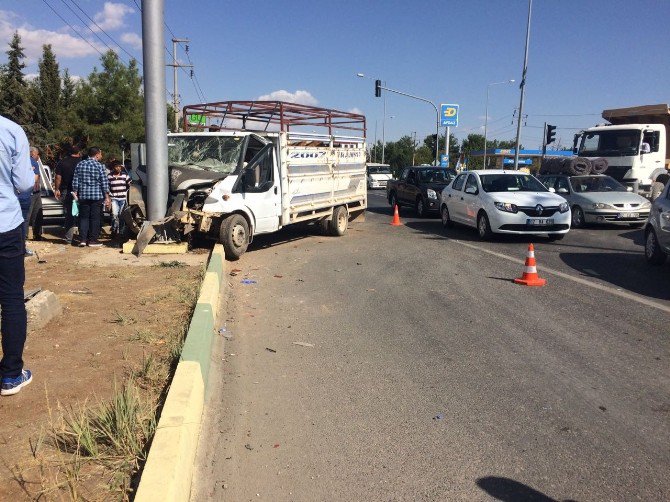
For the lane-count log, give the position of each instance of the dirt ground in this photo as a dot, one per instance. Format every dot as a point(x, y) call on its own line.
point(117, 310)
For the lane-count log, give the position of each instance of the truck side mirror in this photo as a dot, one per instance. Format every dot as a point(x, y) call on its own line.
point(645, 148)
point(574, 144)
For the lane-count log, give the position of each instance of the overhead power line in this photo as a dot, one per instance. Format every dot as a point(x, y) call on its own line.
point(73, 28)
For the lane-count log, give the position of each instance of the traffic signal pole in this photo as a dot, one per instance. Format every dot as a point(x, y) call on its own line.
point(378, 88)
point(544, 141)
point(523, 87)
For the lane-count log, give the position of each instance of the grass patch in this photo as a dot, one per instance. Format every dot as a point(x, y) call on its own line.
point(170, 264)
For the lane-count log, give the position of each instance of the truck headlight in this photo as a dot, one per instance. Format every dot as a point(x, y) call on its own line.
point(601, 205)
point(432, 194)
point(563, 207)
point(506, 207)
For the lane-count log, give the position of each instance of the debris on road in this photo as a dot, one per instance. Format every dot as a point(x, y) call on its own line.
point(439, 416)
point(303, 344)
point(84, 291)
point(271, 350)
point(248, 281)
point(235, 271)
point(248, 447)
point(277, 276)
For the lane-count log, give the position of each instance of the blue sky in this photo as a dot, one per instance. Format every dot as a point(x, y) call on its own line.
point(584, 55)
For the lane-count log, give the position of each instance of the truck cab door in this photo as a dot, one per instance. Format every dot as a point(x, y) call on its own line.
point(259, 185)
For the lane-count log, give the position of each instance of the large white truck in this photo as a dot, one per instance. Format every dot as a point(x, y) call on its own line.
point(245, 168)
point(634, 144)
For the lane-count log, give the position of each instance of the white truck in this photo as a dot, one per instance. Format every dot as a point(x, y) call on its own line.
point(634, 144)
point(247, 169)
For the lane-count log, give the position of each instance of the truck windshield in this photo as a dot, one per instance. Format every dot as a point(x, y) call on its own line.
point(615, 143)
point(511, 183)
point(220, 154)
point(581, 184)
point(379, 170)
point(443, 176)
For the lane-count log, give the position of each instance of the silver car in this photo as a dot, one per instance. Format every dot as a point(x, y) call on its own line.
point(599, 199)
point(657, 229)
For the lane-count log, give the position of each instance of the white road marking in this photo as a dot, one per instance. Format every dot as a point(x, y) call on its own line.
point(595, 285)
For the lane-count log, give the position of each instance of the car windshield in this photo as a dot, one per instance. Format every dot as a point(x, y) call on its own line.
point(213, 153)
point(442, 176)
point(582, 184)
point(379, 170)
point(613, 143)
point(511, 183)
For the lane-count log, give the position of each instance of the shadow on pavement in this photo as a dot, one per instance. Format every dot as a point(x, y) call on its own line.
point(628, 271)
point(508, 490)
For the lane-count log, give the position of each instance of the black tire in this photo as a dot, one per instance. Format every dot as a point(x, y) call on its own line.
point(577, 217)
point(556, 237)
point(446, 218)
point(484, 227)
point(656, 189)
point(393, 200)
point(420, 208)
point(652, 250)
point(234, 235)
point(338, 225)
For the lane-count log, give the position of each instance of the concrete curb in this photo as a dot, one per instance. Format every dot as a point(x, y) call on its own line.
point(169, 468)
point(41, 309)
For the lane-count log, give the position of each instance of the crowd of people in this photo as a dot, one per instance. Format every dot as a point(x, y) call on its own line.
point(85, 186)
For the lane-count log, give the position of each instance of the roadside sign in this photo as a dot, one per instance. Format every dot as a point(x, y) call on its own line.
point(449, 115)
point(526, 162)
point(444, 160)
point(195, 119)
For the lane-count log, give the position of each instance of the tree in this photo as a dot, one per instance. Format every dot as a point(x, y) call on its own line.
point(474, 142)
point(48, 113)
point(69, 91)
point(15, 104)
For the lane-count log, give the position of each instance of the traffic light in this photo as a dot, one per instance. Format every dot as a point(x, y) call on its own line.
point(434, 147)
point(551, 134)
point(378, 88)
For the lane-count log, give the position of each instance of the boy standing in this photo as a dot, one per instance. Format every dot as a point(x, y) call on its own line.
point(119, 183)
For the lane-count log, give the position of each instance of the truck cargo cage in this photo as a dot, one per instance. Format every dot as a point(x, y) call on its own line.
point(271, 116)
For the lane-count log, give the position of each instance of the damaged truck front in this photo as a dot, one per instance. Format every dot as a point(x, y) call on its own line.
point(231, 184)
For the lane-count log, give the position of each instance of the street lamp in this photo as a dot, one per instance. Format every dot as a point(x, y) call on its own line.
point(486, 116)
point(363, 75)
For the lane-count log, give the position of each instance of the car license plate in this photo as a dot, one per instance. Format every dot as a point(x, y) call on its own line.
point(628, 215)
point(539, 221)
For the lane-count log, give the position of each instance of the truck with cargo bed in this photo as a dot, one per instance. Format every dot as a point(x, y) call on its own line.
point(245, 168)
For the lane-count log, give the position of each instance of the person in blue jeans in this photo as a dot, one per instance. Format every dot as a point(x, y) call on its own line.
point(91, 189)
point(119, 183)
point(16, 177)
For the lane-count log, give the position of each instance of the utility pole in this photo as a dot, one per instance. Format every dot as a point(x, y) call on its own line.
point(414, 148)
point(175, 66)
point(154, 107)
point(523, 87)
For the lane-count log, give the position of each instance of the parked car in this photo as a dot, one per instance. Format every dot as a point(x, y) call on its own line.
point(599, 199)
point(419, 187)
point(378, 175)
point(506, 202)
point(657, 229)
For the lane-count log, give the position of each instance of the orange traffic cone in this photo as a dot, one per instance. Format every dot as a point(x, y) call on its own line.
point(396, 217)
point(530, 277)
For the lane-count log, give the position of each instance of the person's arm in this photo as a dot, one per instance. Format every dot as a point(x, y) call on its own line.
point(105, 186)
point(75, 180)
point(22, 170)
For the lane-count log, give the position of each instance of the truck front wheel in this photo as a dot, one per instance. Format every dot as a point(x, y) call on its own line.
point(338, 225)
point(234, 235)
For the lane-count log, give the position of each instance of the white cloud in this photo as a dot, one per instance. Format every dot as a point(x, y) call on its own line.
point(31, 76)
point(357, 110)
point(111, 17)
point(132, 39)
point(300, 97)
point(63, 44)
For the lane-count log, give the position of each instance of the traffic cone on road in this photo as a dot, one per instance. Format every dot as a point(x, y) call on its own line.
point(396, 217)
point(530, 277)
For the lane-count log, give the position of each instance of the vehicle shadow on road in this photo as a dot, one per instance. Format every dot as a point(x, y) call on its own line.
point(466, 234)
point(628, 271)
point(286, 235)
point(509, 490)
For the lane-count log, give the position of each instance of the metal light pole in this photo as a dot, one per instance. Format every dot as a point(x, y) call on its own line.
point(155, 108)
point(384, 130)
point(522, 86)
point(363, 75)
point(486, 116)
point(413, 147)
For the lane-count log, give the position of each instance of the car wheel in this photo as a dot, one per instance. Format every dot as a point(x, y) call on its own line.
point(393, 200)
point(556, 237)
point(338, 225)
point(652, 250)
point(446, 219)
point(656, 189)
point(484, 227)
point(234, 235)
point(577, 217)
point(420, 208)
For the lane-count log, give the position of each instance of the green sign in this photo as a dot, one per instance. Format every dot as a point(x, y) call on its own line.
point(194, 119)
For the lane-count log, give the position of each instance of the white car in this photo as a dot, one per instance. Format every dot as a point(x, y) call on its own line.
point(378, 175)
point(506, 202)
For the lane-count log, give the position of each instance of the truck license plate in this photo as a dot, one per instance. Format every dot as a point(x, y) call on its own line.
point(540, 221)
point(629, 215)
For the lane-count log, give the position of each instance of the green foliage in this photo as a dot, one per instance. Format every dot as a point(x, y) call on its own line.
point(15, 103)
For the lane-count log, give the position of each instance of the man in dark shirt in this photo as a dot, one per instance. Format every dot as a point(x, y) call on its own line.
point(63, 187)
point(35, 212)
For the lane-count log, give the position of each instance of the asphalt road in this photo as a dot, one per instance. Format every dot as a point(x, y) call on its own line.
point(432, 376)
